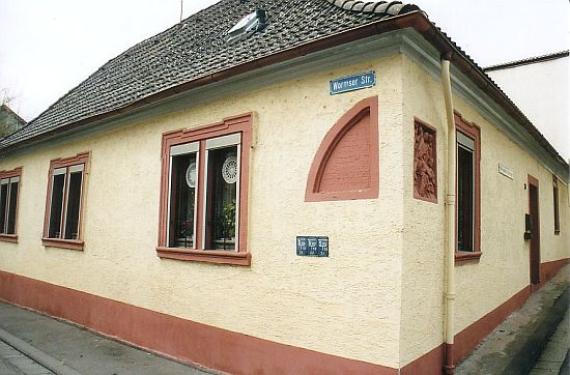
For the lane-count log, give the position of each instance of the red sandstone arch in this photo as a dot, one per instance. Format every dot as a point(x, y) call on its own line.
point(345, 166)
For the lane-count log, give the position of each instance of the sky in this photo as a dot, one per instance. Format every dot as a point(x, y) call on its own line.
point(49, 47)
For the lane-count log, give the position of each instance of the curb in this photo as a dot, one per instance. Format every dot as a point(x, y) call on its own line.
point(40, 357)
point(565, 369)
point(527, 355)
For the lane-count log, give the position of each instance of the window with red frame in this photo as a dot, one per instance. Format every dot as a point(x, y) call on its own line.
point(468, 190)
point(204, 193)
point(9, 191)
point(65, 201)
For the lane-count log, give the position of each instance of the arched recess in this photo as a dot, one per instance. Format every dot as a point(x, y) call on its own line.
point(345, 166)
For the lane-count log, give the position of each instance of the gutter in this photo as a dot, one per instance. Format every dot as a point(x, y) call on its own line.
point(449, 256)
point(528, 61)
point(416, 20)
point(458, 58)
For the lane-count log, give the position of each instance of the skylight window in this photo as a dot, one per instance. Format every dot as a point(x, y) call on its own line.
point(247, 26)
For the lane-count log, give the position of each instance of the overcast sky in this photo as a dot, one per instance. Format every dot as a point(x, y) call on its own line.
point(48, 47)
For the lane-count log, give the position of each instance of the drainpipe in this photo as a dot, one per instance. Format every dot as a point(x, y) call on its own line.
point(449, 286)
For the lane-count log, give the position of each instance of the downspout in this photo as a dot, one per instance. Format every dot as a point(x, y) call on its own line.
point(449, 286)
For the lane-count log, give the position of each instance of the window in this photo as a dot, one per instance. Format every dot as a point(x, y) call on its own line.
point(556, 205)
point(204, 193)
point(9, 190)
point(65, 202)
point(467, 190)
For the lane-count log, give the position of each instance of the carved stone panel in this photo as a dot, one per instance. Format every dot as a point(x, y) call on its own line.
point(425, 162)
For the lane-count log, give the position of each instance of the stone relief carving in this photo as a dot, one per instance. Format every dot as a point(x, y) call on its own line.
point(425, 163)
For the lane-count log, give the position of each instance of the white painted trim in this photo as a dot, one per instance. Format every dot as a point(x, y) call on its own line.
point(80, 216)
point(51, 202)
point(65, 208)
point(465, 141)
point(7, 211)
point(59, 171)
point(224, 141)
point(186, 148)
point(205, 200)
point(194, 244)
point(238, 184)
point(76, 168)
point(169, 202)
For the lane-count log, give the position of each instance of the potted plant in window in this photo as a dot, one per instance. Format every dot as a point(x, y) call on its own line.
point(228, 221)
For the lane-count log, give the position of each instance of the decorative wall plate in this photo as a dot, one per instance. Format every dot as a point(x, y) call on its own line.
point(230, 170)
point(191, 175)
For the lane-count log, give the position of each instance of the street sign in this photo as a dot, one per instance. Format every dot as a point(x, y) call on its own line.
point(312, 246)
point(352, 83)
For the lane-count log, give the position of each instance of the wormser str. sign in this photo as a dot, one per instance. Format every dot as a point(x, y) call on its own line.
point(352, 83)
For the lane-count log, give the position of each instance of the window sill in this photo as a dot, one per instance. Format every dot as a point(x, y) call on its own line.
point(9, 238)
point(463, 256)
point(207, 256)
point(63, 244)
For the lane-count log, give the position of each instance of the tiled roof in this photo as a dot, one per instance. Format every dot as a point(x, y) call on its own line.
point(196, 47)
point(194, 52)
point(374, 7)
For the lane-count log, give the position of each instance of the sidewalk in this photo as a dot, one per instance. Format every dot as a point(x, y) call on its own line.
point(556, 351)
point(31, 343)
point(516, 345)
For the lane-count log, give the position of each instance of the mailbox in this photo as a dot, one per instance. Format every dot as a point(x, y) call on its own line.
point(527, 227)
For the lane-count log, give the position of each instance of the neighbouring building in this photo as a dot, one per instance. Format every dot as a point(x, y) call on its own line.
point(539, 86)
point(10, 122)
point(299, 186)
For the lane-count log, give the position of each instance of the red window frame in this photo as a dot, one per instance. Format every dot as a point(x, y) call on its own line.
point(474, 132)
point(78, 244)
point(16, 172)
point(239, 124)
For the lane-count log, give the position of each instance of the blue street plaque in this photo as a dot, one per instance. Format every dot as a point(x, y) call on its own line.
point(351, 83)
point(312, 246)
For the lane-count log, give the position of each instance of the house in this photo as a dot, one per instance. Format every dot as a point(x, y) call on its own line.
point(528, 82)
point(292, 186)
point(9, 121)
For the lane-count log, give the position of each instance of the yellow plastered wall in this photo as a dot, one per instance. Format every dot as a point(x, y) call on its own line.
point(424, 239)
point(346, 305)
point(503, 269)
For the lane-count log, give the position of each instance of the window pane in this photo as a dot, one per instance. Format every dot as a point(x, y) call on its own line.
point(184, 179)
point(73, 206)
point(3, 206)
point(465, 199)
point(221, 204)
point(56, 206)
point(12, 208)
